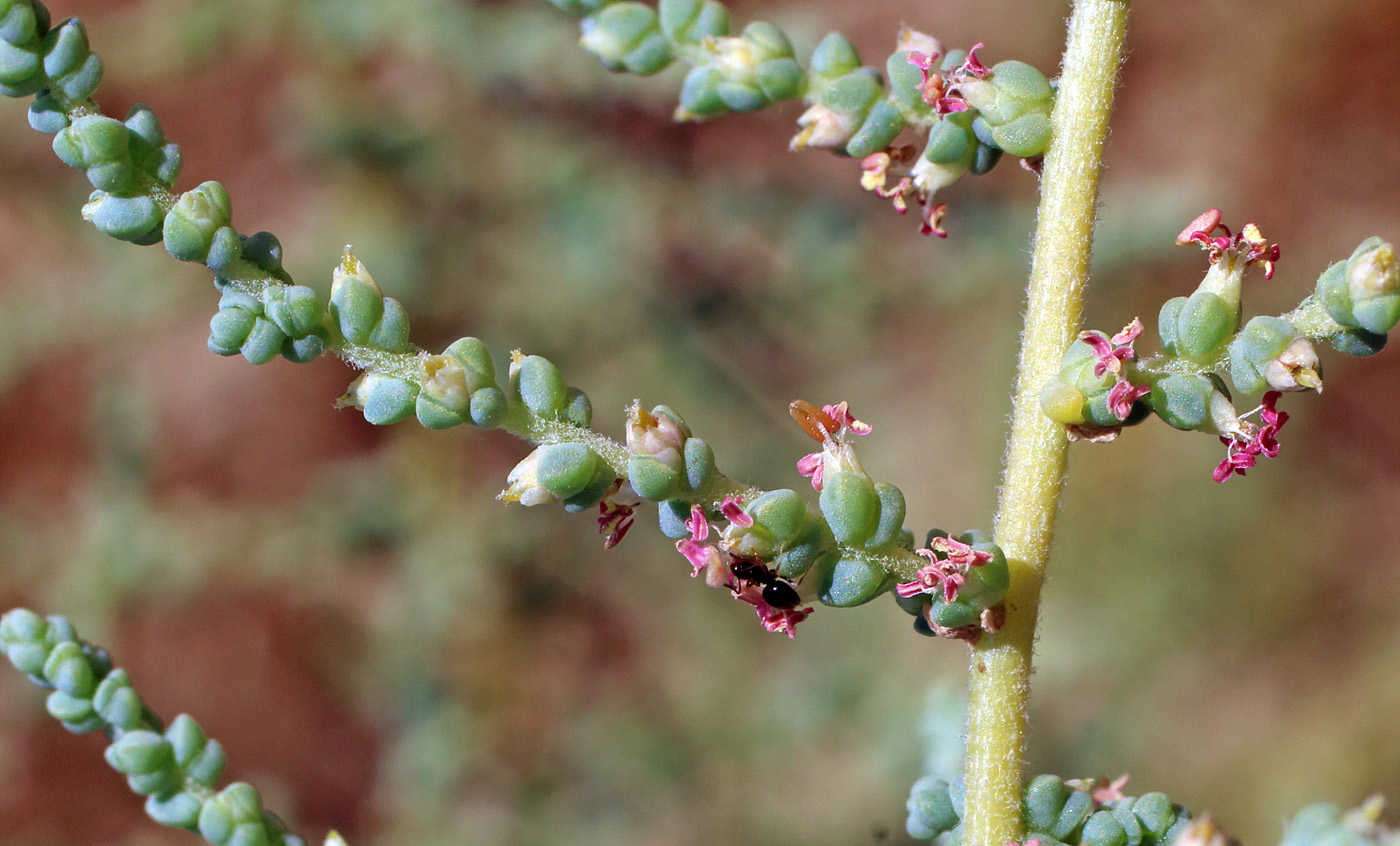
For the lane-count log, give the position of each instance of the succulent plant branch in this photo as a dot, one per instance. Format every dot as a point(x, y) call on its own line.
point(1035, 458)
point(965, 115)
point(847, 552)
point(771, 549)
point(176, 767)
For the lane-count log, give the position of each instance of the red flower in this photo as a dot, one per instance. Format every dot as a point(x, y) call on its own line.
point(1246, 445)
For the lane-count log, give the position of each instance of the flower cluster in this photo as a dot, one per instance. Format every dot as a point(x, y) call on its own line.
point(775, 599)
point(175, 767)
point(843, 553)
point(1098, 389)
point(970, 113)
point(1247, 442)
point(1104, 385)
point(1215, 238)
point(944, 575)
point(1075, 813)
point(973, 114)
point(958, 594)
point(865, 517)
point(829, 426)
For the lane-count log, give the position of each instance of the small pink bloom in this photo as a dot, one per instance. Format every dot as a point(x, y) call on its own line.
point(616, 513)
point(1238, 458)
point(933, 220)
point(972, 66)
point(945, 575)
point(1257, 249)
point(931, 83)
point(1128, 334)
point(614, 519)
point(1122, 397)
point(1105, 791)
point(949, 105)
point(929, 578)
point(1249, 243)
point(841, 413)
point(697, 524)
point(1245, 446)
point(773, 619)
point(922, 61)
point(699, 555)
point(958, 552)
point(732, 512)
point(913, 183)
point(811, 465)
point(829, 425)
point(703, 557)
point(1112, 352)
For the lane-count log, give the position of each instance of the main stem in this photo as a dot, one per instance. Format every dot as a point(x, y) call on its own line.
point(1035, 456)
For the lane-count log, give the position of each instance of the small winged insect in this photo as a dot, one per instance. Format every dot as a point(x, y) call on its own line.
point(777, 591)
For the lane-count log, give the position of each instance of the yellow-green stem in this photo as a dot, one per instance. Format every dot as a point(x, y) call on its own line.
point(1035, 457)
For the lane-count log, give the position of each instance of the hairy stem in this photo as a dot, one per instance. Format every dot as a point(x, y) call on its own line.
point(1035, 457)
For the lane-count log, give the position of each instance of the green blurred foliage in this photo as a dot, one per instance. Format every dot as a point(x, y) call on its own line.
point(385, 649)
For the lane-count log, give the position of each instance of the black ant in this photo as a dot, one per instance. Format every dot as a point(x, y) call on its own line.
point(777, 591)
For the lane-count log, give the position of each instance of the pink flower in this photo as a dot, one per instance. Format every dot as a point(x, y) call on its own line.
point(1246, 445)
point(614, 519)
point(917, 180)
point(718, 567)
point(931, 85)
point(812, 465)
point(829, 426)
point(933, 220)
point(934, 577)
point(1249, 243)
point(1104, 791)
point(939, 92)
point(922, 61)
point(1123, 395)
point(1112, 352)
point(616, 513)
point(783, 619)
point(946, 574)
point(732, 512)
point(972, 66)
point(773, 619)
point(960, 553)
point(704, 558)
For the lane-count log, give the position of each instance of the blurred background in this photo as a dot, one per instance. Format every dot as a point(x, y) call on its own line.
point(386, 649)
